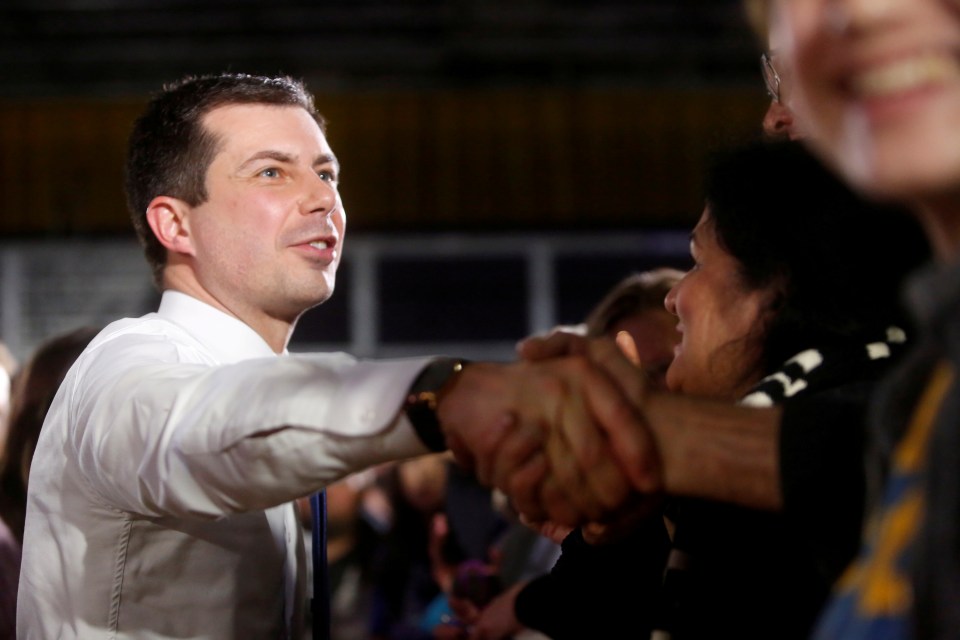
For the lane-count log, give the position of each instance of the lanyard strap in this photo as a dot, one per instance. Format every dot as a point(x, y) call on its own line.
point(320, 606)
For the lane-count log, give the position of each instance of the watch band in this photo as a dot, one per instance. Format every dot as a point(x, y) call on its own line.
point(421, 403)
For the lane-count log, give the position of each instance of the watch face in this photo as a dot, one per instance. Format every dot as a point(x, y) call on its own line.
point(433, 377)
point(421, 402)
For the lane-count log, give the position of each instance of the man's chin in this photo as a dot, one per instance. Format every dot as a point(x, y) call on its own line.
point(297, 305)
point(316, 301)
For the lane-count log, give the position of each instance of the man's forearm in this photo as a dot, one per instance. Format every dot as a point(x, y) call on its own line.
point(717, 450)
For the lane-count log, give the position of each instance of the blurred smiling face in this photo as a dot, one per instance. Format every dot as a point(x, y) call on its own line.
point(878, 87)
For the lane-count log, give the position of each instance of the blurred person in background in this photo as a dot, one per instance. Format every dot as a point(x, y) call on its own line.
point(34, 387)
point(8, 369)
point(353, 542)
point(9, 543)
point(878, 86)
point(635, 305)
point(410, 573)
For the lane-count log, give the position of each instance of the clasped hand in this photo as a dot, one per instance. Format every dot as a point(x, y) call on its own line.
point(560, 431)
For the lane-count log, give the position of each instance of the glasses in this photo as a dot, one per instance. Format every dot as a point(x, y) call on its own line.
point(770, 77)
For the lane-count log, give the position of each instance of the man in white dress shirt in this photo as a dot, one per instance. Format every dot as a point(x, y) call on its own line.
point(161, 492)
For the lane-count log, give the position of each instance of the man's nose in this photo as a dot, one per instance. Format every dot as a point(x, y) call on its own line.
point(321, 196)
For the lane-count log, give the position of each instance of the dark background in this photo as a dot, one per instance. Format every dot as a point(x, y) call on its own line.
point(458, 115)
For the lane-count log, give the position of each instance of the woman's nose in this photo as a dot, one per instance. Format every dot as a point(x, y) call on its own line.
point(670, 301)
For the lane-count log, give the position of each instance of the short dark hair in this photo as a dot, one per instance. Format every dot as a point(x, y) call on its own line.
point(635, 294)
point(838, 260)
point(169, 151)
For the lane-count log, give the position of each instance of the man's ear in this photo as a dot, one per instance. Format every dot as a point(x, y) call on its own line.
point(170, 220)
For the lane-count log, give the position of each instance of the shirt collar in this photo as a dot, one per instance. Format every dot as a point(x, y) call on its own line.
point(228, 338)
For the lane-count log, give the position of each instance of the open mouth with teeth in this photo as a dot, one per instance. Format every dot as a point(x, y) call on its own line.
point(906, 74)
point(319, 244)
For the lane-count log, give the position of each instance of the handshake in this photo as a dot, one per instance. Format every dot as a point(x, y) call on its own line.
point(562, 431)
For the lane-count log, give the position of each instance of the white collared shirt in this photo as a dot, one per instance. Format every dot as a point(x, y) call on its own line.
point(160, 493)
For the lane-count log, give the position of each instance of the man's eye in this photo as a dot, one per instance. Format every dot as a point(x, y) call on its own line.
point(270, 172)
point(328, 176)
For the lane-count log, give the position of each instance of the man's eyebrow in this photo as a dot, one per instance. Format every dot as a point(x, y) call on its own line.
point(326, 158)
point(281, 156)
point(269, 154)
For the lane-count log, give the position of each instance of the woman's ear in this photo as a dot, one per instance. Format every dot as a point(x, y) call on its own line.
point(169, 218)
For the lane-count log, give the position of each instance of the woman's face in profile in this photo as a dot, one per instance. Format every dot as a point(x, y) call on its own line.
point(721, 322)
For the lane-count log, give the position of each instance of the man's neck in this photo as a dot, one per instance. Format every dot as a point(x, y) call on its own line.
point(275, 332)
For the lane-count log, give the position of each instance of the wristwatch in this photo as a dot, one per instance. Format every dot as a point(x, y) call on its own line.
point(421, 403)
